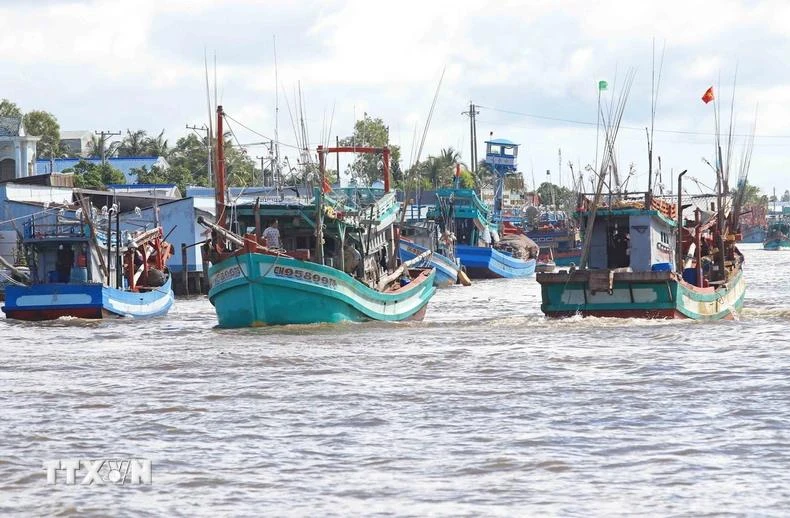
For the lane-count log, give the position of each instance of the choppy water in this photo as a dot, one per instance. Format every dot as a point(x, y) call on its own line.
point(486, 408)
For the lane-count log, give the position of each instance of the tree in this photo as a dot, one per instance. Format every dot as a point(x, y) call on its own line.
point(370, 132)
point(43, 124)
point(484, 176)
point(752, 195)
point(133, 144)
point(9, 109)
point(88, 175)
point(564, 198)
point(157, 146)
point(99, 142)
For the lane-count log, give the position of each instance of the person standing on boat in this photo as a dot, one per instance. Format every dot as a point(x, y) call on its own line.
point(272, 235)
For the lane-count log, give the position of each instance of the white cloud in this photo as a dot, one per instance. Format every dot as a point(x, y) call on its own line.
point(119, 64)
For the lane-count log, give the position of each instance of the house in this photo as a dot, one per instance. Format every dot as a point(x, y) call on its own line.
point(17, 151)
point(75, 143)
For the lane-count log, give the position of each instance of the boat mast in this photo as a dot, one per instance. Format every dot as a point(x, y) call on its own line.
point(219, 194)
point(319, 207)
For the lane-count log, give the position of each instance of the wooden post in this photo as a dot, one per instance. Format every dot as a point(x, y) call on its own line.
point(679, 242)
point(257, 212)
point(185, 266)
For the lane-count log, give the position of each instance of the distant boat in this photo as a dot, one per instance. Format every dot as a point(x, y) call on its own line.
point(545, 262)
point(417, 237)
point(554, 229)
point(778, 235)
point(336, 263)
point(76, 270)
point(482, 252)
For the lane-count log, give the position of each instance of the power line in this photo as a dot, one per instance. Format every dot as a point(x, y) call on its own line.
point(587, 123)
point(261, 134)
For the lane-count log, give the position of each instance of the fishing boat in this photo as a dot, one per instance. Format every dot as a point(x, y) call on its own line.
point(482, 252)
point(554, 230)
point(76, 269)
point(545, 262)
point(778, 235)
point(632, 273)
point(417, 237)
point(337, 259)
point(641, 258)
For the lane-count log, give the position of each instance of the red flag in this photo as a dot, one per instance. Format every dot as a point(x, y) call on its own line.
point(708, 96)
point(326, 186)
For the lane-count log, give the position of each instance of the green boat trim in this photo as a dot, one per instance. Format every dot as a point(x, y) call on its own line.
point(638, 294)
point(254, 289)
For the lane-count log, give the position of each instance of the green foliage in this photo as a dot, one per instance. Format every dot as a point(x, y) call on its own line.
point(99, 142)
point(88, 175)
point(438, 171)
point(370, 132)
point(565, 199)
point(43, 124)
point(9, 109)
point(467, 179)
point(752, 195)
point(138, 143)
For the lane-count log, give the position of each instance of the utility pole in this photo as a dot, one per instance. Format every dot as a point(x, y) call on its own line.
point(472, 134)
point(102, 135)
point(263, 176)
point(208, 145)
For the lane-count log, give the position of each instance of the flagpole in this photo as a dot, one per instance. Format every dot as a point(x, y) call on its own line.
point(597, 127)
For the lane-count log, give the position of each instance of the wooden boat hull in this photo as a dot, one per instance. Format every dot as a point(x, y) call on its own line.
point(253, 289)
point(489, 263)
point(446, 270)
point(777, 244)
point(88, 300)
point(637, 295)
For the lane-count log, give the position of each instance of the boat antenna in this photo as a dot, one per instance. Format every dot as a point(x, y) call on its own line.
point(210, 143)
point(654, 88)
point(276, 174)
point(611, 129)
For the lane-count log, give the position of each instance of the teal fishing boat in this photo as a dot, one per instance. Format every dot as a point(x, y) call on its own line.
point(778, 235)
point(335, 258)
point(631, 271)
point(641, 258)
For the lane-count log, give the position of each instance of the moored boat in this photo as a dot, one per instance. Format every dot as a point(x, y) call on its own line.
point(76, 271)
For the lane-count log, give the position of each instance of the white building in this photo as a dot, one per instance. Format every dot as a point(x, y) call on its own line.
point(17, 152)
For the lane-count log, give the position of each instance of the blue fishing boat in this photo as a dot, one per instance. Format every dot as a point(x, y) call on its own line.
point(553, 231)
point(479, 247)
point(418, 237)
point(336, 258)
point(76, 270)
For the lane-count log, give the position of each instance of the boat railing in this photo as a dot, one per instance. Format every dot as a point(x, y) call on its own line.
point(70, 229)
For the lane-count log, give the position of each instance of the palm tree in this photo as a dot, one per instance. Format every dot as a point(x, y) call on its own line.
point(97, 143)
point(157, 146)
point(133, 144)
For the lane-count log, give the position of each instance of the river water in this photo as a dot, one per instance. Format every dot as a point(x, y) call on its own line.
point(484, 409)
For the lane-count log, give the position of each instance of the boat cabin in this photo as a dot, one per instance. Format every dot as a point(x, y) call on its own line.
point(631, 238)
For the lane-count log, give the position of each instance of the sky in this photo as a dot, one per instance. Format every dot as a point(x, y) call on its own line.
point(531, 66)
